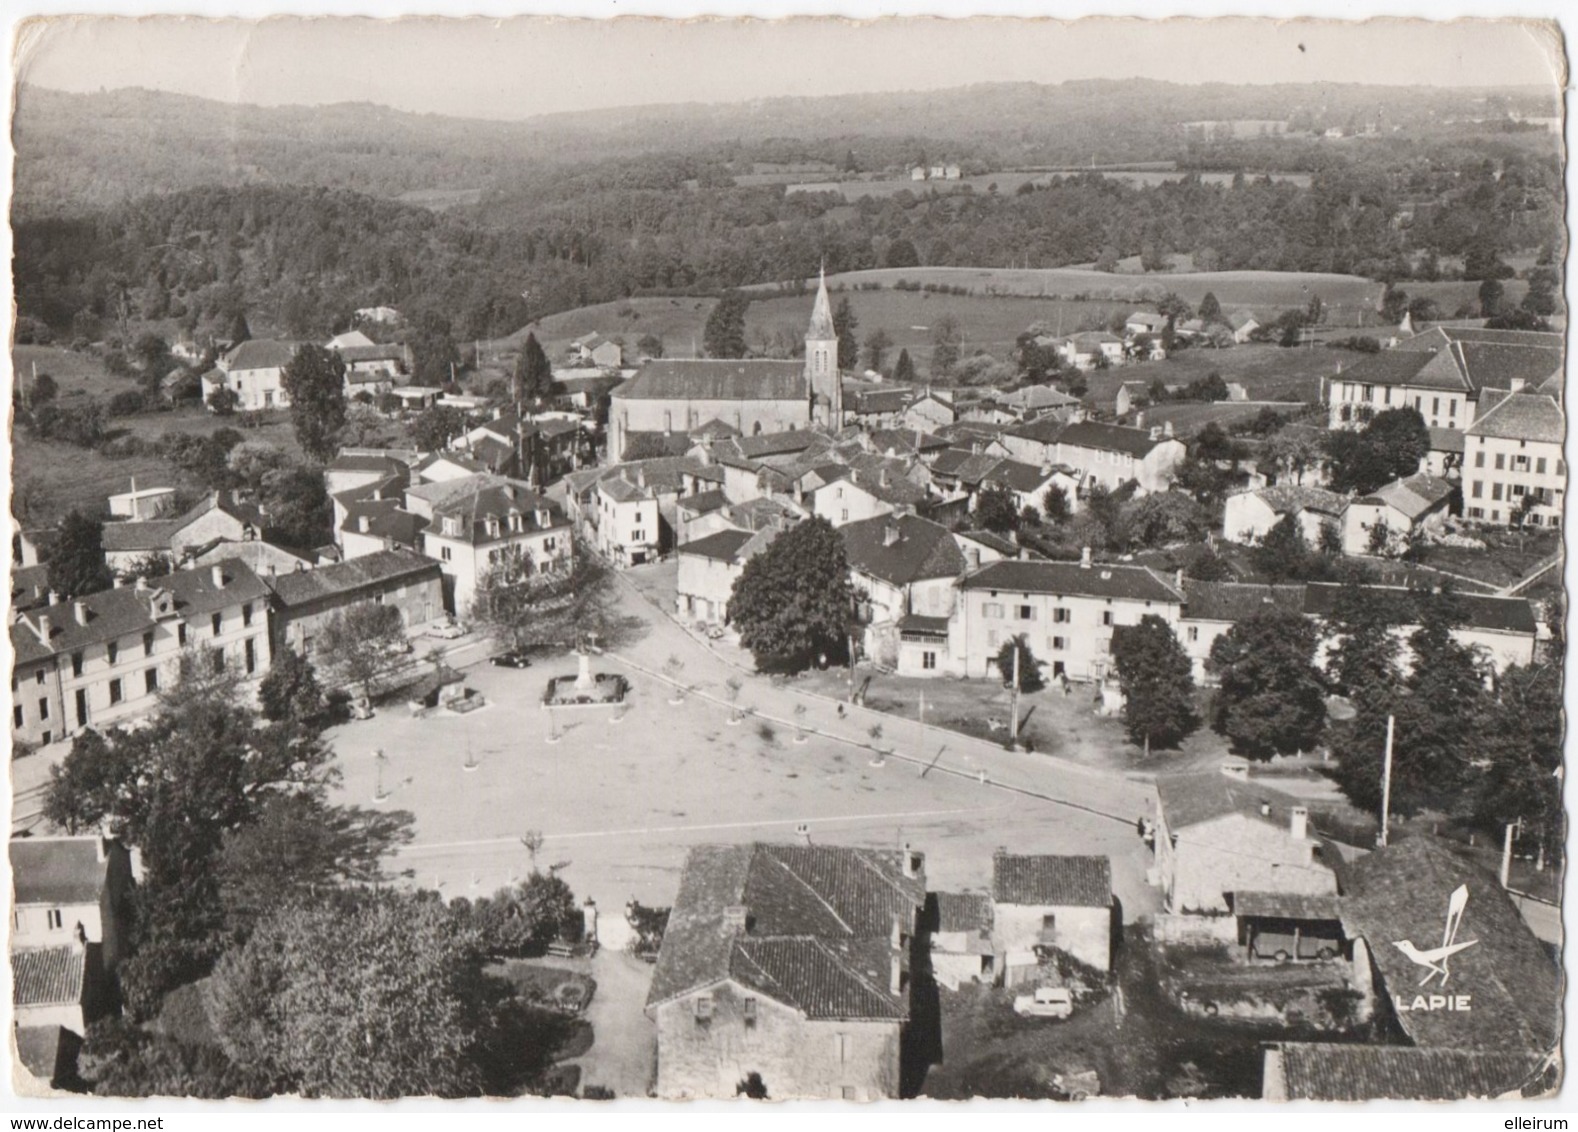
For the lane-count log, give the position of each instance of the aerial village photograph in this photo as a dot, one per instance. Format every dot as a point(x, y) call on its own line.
point(740, 561)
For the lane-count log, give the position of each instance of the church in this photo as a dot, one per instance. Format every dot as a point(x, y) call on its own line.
point(676, 396)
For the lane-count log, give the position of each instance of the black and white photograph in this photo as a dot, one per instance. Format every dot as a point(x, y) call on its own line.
point(762, 560)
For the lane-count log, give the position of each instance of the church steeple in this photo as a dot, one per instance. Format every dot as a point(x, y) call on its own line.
point(821, 360)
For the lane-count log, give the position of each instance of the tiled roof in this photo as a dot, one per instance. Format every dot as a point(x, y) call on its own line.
point(922, 550)
point(715, 379)
point(1479, 611)
point(1147, 318)
point(1414, 496)
point(925, 626)
point(1322, 1071)
point(1519, 416)
point(1391, 367)
point(904, 440)
point(1019, 476)
point(721, 546)
point(964, 912)
point(28, 584)
point(1237, 601)
point(881, 400)
point(1447, 439)
point(1285, 905)
point(714, 428)
point(141, 534)
point(120, 612)
point(48, 976)
point(1099, 580)
point(1439, 336)
point(387, 465)
point(817, 930)
point(1401, 893)
point(1240, 319)
point(1044, 430)
point(386, 519)
point(1201, 796)
point(704, 503)
point(1286, 499)
point(303, 586)
point(1039, 397)
point(260, 353)
point(897, 491)
point(373, 353)
point(57, 870)
point(1109, 438)
point(1080, 882)
point(761, 514)
point(778, 443)
point(1000, 543)
point(499, 500)
point(1499, 365)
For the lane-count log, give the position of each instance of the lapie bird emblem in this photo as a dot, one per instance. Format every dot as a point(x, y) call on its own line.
point(1435, 960)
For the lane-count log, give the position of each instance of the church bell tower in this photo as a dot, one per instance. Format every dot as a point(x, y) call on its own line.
point(823, 384)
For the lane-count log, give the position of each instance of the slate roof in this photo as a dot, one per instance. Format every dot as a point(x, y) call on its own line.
point(387, 465)
point(302, 587)
point(924, 549)
point(1101, 437)
point(1044, 430)
point(964, 912)
point(1078, 882)
point(715, 379)
point(704, 502)
point(821, 326)
point(1400, 893)
point(498, 499)
point(648, 445)
point(1000, 543)
point(1519, 416)
point(1391, 367)
point(1480, 611)
point(48, 976)
point(778, 443)
point(1099, 580)
point(57, 870)
point(386, 519)
point(1237, 601)
point(260, 353)
point(1202, 796)
point(1321, 1071)
point(126, 610)
point(721, 546)
point(1446, 439)
point(373, 353)
point(817, 931)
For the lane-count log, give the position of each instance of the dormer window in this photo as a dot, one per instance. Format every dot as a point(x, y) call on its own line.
point(704, 1008)
point(748, 1011)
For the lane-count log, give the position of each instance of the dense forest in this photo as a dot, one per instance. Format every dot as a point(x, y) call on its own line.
point(77, 150)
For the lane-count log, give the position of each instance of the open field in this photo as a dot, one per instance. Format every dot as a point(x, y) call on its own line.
point(75, 373)
point(51, 479)
point(1345, 294)
point(1009, 181)
point(1267, 373)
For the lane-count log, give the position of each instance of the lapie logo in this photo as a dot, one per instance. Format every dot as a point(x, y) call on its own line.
point(1437, 960)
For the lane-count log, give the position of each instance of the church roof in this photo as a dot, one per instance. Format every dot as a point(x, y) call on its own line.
point(715, 379)
point(821, 315)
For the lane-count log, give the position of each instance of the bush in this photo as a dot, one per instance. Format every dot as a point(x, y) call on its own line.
point(33, 332)
point(127, 403)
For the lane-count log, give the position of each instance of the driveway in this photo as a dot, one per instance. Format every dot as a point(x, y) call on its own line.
point(623, 1056)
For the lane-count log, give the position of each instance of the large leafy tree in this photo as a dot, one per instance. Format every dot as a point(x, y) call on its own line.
point(723, 336)
point(946, 339)
point(297, 506)
point(290, 691)
point(74, 558)
point(1271, 700)
point(523, 607)
point(533, 374)
point(202, 767)
point(1522, 751)
point(995, 509)
point(1389, 447)
point(314, 380)
point(793, 601)
point(1157, 680)
point(433, 350)
point(359, 644)
point(434, 428)
point(904, 369)
point(1029, 667)
point(375, 995)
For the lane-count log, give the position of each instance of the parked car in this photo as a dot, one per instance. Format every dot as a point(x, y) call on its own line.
point(446, 630)
point(1046, 1002)
point(1283, 946)
point(512, 659)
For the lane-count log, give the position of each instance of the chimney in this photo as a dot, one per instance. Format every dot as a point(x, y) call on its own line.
point(641, 476)
point(44, 628)
point(1517, 384)
point(896, 973)
point(217, 572)
point(54, 598)
point(1084, 558)
point(1167, 429)
point(544, 517)
point(363, 523)
point(882, 478)
point(890, 534)
point(803, 832)
point(81, 609)
point(896, 931)
point(1156, 432)
point(271, 569)
point(734, 917)
point(972, 557)
point(101, 849)
point(142, 584)
point(1046, 469)
point(1265, 809)
point(1139, 419)
point(914, 861)
point(1300, 823)
point(1178, 579)
point(119, 581)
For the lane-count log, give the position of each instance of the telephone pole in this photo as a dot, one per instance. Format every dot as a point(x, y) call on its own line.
point(1386, 781)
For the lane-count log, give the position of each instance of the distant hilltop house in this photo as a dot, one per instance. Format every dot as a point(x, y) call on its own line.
point(936, 173)
point(252, 371)
point(596, 350)
point(387, 316)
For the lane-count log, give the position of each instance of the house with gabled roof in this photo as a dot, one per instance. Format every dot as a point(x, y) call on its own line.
point(961, 938)
point(789, 964)
point(929, 411)
point(1112, 455)
point(1042, 902)
point(402, 579)
point(1441, 373)
point(1067, 610)
point(62, 986)
point(904, 569)
point(1212, 608)
point(1513, 465)
point(1221, 832)
point(102, 659)
point(709, 567)
point(1248, 516)
point(1389, 515)
point(1348, 1071)
point(218, 517)
point(71, 886)
point(252, 372)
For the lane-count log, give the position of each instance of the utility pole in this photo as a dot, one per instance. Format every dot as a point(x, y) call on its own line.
point(1386, 781)
point(1013, 724)
point(1506, 856)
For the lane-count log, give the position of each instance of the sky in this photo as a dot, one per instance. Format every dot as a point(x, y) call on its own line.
point(518, 68)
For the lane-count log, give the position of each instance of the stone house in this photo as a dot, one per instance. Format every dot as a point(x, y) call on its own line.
point(1045, 901)
point(789, 962)
point(1248, 516)
point(901, 565)
point(708, 568)
point(1513, 458)
point(252, 371)
point(961, 939)
point(1220, 832)
point(70, 885)
point(305, 600)
point(1392, 512)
